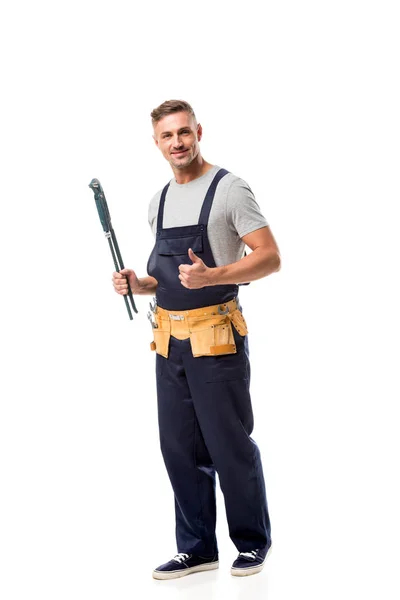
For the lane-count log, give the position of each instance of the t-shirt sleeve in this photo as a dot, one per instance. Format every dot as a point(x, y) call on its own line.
point(243, 214)
point(153, 211)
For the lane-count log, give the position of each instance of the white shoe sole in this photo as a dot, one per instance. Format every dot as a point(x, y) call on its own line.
point(175, 574)
point(250, 570)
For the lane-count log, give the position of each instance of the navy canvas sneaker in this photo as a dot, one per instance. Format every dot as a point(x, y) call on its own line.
point(249, 563)
point(185, 564)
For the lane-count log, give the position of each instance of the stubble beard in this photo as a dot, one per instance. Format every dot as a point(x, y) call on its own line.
point(182, 163)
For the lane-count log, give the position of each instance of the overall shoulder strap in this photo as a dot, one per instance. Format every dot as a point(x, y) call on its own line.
point(208, 200)
point(160, 216)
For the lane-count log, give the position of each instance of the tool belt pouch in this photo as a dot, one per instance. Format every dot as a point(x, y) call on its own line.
point(162, 334)
point(238, 322)
point(211, 335)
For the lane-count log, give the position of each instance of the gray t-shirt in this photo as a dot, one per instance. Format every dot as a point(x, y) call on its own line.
point(234, 212)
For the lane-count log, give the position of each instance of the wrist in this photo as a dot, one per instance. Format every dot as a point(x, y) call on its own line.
point(214, 275)
point(138, 287)
point(146, 286)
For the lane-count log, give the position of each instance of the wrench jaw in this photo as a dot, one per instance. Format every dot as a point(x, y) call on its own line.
point(153, 309)
point(150, 318)
point(153, 306)
point(95, 185)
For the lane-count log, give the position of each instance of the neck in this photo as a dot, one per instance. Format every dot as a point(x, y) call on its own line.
point(196, 169)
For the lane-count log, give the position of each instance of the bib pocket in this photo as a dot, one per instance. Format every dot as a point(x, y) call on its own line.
point(180, 245)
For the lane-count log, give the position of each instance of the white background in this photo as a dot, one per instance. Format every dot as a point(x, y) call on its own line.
point(300, 99)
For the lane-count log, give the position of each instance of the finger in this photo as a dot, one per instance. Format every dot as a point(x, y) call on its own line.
point(185, 268)
point(193, 256)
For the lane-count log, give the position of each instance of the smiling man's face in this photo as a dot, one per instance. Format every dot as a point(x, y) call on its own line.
point(178, 136)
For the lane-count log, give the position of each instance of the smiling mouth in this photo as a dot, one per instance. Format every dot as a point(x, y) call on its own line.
point(180, 152)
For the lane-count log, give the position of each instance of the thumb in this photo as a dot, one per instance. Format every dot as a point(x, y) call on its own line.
point(193, 257)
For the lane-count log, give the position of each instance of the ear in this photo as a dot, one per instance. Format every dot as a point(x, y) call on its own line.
point(199, 132)
point(155, 140)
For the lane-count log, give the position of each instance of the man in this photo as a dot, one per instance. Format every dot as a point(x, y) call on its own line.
point(202, 220)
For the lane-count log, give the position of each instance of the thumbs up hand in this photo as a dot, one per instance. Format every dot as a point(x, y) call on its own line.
point(196, 275)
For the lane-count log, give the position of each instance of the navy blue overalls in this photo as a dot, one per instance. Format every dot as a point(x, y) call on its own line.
point(204, 407)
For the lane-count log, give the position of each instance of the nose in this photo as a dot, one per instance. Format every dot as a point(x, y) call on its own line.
point(177, 142)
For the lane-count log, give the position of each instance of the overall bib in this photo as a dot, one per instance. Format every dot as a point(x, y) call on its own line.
point(204, 407)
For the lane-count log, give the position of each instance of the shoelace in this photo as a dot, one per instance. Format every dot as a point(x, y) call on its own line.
point(251, 554)
point(180, 558)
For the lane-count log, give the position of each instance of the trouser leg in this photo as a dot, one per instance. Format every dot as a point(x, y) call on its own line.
point(220, 390)
point(188, 463)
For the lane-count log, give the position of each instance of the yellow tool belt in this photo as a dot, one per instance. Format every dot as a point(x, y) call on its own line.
point(209, 328)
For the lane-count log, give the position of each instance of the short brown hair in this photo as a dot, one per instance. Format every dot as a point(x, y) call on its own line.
point(168, 107)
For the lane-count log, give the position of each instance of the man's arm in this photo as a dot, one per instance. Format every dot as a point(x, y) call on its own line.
point(142, 286)
point(263, 260)
point(147, 285)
